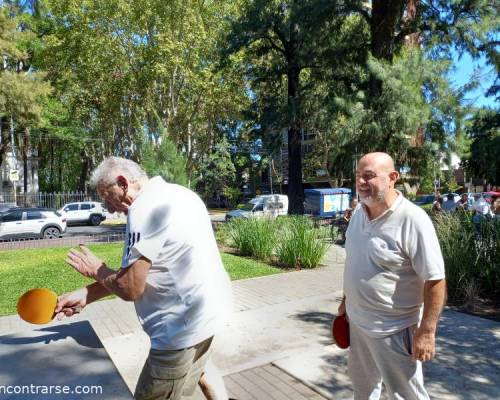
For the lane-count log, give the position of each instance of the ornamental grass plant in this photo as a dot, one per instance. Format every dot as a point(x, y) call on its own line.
point(289, 241)
point(471, 253)
point(253, 237)
point(301, 245)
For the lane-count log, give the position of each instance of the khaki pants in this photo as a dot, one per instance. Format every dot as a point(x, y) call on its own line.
point(172, 374)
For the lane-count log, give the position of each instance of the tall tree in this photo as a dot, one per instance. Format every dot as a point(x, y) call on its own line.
point(283, 39)
point(22, 90)
point(485, 147)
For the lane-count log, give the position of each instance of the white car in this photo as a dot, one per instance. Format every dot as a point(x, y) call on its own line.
point(89, 212)
point(31, 222)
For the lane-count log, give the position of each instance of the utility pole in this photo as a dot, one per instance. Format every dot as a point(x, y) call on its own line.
point(13, 146)
point(270, 175)
point(355, 168)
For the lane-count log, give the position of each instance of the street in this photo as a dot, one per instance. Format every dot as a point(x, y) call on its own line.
point(84, 230)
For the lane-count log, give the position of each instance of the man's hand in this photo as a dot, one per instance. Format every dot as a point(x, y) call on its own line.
point(71, 303)
point(84, 261)
point(424, 345)
point(341, 309)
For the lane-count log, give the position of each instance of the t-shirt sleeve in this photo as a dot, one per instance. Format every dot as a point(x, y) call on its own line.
point(425, 251)
point(146, 236)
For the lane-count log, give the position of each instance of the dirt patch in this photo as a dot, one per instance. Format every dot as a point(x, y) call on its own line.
point(486, 308)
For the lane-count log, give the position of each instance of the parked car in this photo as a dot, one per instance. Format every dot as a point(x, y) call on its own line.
point(89, 212)
point(31, 222)
point(488, 195)
point(266, 205)
point(456, 196)
point(424, 199)
point(7, 206)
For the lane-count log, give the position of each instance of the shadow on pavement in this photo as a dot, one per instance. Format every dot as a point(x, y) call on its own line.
point(467, 363)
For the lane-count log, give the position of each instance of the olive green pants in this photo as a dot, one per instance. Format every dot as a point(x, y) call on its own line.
point(172, 374)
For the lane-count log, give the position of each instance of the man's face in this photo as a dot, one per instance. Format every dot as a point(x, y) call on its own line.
point(372, 183)
point(114, 197)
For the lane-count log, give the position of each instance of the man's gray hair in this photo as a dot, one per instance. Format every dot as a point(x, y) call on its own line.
point(112, 167)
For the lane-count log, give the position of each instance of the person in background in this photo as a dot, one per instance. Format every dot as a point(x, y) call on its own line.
point(495, 208)
point(480, 205)
point(437, 206)
point(344, 221)
point(449, 205)
point(463, 203)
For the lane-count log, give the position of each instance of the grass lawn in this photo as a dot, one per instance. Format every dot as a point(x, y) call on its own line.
point(21, 270)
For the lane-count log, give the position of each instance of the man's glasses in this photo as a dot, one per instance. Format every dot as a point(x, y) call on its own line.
point(367, 176)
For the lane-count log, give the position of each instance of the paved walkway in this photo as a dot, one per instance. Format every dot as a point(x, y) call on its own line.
point(278, 344)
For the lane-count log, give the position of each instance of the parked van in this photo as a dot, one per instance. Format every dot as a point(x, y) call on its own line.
point(270, 205)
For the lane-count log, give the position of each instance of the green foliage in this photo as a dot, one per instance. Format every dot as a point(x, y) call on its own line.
point(301, 245)
point(471, 254)
point(232, 194)
point(165, 161)
point(294, 241)
point(244, 268)
point(122, 69)
point(485, 148)
point(450, 184)
point(218, 174)
point(22, 92)
point(254, 237)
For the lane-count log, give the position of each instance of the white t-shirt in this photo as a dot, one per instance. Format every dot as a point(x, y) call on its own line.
point(480, 207)
point(388, 261)
point(188, 293)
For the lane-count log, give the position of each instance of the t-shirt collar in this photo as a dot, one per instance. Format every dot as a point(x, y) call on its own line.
point(150, 183)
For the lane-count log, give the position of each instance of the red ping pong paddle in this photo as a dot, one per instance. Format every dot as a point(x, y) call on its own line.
point(340, 331)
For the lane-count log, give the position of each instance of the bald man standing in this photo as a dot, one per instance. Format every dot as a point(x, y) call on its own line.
point(394, 286)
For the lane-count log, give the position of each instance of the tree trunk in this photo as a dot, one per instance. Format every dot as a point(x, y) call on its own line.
point(83, 172)
point(295, 187)
point(26, 146)
point(4, 137)
point(412, 40)
point(385, 19)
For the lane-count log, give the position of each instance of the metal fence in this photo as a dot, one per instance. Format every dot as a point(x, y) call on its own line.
point(101, 238)
point(49, 200)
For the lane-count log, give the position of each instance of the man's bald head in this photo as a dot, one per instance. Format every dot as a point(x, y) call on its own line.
point(378, 161)
point(375, 179)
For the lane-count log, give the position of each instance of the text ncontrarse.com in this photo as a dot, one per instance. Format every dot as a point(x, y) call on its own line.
point(50, 389)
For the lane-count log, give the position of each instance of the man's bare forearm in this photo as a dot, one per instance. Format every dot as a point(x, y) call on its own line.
point(434, 300)
point(96, 291)
point(114, 282)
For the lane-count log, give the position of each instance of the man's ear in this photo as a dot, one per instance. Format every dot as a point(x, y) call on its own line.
point(394, 175)
point(122, 182)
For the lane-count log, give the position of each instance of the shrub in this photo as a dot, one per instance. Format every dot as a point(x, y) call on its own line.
point(223, 235)
point(253, 236)
point(301, 245)
point(471, 255)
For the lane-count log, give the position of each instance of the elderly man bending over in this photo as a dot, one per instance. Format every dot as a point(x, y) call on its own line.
point(171, 269)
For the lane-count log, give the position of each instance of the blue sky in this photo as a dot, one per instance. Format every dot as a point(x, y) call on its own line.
point(465, 68)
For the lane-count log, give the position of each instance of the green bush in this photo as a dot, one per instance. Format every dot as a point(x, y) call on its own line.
point(294, 241)
point(471, 255)
point(253, 236)
point(301, 245)
point(223, 235)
